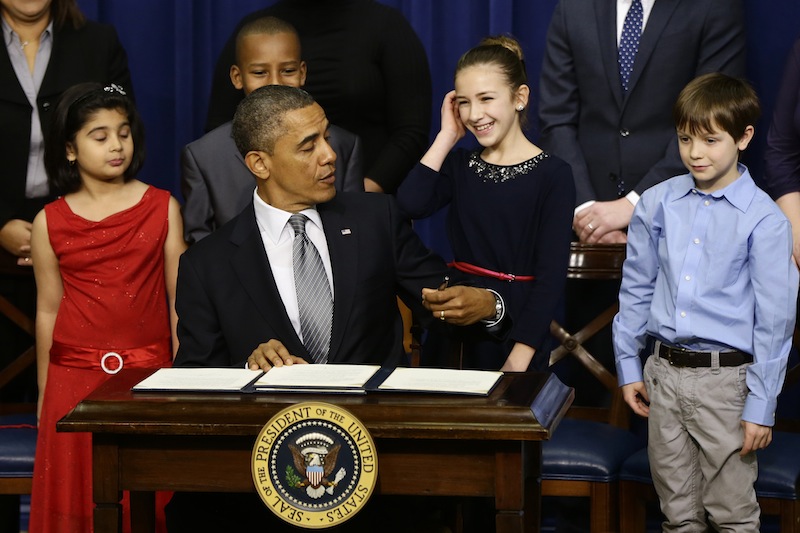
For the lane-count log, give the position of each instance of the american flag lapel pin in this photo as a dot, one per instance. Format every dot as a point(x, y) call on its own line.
point(346, 231)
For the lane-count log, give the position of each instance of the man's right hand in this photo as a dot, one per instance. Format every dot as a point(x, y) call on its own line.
point(272, 353)
point(635, 395)
point(593, 223)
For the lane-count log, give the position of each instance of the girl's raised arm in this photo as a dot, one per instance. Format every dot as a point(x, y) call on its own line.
point(174, 246)
point(451, 131)
point(49, 290)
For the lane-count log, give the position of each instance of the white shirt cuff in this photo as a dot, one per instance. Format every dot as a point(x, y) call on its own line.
point(583, 206)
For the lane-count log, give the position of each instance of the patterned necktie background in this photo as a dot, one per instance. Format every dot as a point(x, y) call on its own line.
point(313, 292)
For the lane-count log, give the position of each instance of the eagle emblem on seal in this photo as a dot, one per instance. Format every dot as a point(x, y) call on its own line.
point(315, 456)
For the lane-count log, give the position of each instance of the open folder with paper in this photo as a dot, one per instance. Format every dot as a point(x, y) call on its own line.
point(347, 379)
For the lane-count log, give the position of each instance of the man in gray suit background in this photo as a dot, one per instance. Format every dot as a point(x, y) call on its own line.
point(215, 181)
point(620, 140)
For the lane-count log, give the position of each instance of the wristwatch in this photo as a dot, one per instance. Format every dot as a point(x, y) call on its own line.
point(499, 309)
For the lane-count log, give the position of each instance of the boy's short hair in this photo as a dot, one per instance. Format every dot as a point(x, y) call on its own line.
point(715, 98)
point(263, 26)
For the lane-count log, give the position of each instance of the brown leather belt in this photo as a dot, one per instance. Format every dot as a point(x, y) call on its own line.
point(692, 359)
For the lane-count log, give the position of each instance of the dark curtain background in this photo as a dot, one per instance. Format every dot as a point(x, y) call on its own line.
point(173, 45)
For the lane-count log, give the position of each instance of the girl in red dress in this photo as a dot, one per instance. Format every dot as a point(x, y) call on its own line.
point(105, 258)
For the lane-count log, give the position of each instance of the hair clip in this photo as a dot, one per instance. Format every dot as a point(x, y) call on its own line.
point(114, 88)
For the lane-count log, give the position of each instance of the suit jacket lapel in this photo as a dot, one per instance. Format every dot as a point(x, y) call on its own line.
point(659, 17)
point(252, 268)
point(341, 232)
point(10, 89)
point(606, 17)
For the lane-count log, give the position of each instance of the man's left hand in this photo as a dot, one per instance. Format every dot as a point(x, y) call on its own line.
point(594, 222)
point(272, 353)
point(459, 305)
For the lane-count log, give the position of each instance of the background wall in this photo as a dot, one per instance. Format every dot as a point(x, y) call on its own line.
point(172, 46)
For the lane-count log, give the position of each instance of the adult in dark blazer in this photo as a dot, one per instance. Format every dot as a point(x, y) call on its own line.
point(217, 185)
point(215, 181)
point(615, 142)
point(231, 309)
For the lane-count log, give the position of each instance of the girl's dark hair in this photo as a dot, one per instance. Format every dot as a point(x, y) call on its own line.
point(74, 109)
point(506, 53)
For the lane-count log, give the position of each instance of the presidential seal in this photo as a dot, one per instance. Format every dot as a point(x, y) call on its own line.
point(314, 465)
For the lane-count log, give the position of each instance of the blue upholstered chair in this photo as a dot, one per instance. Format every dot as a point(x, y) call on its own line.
point(776, 487)
point(17, 447)
point(585, 454)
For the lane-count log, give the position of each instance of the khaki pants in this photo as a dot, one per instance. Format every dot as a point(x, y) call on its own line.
point(695, 437)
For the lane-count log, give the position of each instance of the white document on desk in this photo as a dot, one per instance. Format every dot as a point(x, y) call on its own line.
point(198, 379)
point(313, 377)
point(441, 380)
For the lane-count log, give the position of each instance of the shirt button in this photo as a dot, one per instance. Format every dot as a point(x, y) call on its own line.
point(696, 241)
point(707, 202)
point(683, 314)
point(624, 132)
point(688, 278)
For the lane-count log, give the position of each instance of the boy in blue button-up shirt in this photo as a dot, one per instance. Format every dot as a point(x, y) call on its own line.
point(709, 288)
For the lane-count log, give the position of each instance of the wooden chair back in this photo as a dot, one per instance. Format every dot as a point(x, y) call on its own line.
point(9, 269)
point(593, 262)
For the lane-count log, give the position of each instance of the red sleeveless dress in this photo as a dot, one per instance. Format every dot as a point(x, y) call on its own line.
point(114, 311)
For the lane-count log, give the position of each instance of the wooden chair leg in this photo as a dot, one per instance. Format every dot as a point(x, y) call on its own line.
point(632, 509)
point(790, 516)
point(604, 516)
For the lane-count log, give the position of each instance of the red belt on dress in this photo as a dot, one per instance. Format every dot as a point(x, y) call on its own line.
point(480, 271)
point(111, 361)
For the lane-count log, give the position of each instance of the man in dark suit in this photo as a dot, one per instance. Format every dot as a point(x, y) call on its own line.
point(236, 298)
point(234, 292)
point(620, 142)
point(215, 182)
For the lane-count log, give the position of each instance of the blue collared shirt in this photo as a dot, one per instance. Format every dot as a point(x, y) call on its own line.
point(710, 272)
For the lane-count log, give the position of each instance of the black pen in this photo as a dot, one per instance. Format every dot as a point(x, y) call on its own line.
point(445, 283)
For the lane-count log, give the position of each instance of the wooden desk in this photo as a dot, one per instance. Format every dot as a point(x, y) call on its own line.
point(465, 446)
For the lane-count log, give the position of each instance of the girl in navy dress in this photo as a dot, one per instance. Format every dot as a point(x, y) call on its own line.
point(510, 203)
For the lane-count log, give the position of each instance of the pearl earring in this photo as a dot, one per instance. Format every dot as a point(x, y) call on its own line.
point(520, 107)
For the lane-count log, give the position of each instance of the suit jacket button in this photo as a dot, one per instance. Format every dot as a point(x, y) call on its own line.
point(624, 132)
point(46, 106)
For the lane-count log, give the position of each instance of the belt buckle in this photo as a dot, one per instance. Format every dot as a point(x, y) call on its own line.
point(675, 352)
point(111, 355)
